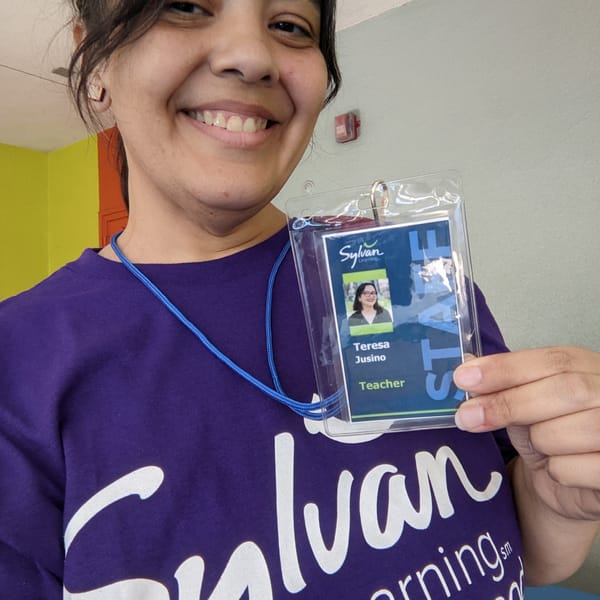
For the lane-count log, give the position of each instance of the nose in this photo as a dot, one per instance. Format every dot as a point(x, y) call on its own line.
point(244, 52)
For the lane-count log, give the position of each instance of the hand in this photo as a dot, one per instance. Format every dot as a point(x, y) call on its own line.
point(549, 401)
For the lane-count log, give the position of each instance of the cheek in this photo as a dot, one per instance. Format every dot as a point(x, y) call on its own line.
point(308, 86)
point(143, 75)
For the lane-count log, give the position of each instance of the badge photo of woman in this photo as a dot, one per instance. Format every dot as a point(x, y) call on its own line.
point(366, 307)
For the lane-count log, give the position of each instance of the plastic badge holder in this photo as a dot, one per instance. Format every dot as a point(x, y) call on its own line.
point(385, 278)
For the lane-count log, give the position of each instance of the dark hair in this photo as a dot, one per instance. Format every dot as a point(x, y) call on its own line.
point(111, 24)
point(357, 306)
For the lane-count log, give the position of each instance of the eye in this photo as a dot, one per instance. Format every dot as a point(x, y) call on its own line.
point(296, 29)
point(292, 28)
point(188, 8)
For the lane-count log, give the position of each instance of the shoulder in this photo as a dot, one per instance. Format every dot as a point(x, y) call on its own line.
point(56, 293)
point(36, 302)
point(38, 326)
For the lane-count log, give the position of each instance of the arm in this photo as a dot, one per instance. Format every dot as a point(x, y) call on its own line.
point(31, 473)
point(549, 401)
point(23, 578)
point(31, 555)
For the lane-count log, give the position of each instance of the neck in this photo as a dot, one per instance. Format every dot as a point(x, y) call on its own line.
point(149, 241)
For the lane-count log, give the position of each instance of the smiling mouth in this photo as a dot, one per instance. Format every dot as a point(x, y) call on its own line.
point(230, 122)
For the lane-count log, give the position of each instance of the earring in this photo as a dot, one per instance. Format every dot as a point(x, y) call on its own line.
point(96, 93)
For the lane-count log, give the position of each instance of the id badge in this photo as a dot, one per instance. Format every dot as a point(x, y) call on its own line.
point(385, 278)
point(394, 293)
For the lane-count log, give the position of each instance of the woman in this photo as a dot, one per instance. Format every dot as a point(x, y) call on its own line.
point(367, 310)
point(138, 464)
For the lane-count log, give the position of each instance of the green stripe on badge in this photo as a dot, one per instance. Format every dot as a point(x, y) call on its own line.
point(404, 414)
point(369, 329)
point(364, 275)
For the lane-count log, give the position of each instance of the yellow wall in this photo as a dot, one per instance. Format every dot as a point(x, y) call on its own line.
point(23, 219)
point(72, 201)
point(48, 211)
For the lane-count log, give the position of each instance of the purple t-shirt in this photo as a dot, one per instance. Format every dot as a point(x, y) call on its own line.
point(136, 465)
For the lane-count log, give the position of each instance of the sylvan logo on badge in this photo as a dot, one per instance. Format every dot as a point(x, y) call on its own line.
point(364, 251)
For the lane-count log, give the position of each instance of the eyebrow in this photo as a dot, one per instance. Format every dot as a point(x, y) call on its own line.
point(315, 3)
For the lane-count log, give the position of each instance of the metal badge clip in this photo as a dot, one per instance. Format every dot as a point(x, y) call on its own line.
point(383, 195)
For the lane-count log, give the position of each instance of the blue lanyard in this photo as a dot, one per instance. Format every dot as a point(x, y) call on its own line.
point(313, 411)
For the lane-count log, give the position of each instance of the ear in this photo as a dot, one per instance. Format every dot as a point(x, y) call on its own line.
point(99, 99)
point(78, 31)
point(96, 91)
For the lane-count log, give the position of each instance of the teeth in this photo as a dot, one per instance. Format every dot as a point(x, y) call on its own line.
point(220, 121)
point(233, 123)
point(250, 126)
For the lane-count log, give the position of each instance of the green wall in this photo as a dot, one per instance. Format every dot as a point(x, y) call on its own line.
point(48, 211)
point(23, 218)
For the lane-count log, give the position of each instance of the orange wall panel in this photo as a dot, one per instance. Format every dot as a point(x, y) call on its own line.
point(112, 216)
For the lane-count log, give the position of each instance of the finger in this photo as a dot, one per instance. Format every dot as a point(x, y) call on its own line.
point(531, 403)
point(577, 433)
point(579, 471)
point(501, 371)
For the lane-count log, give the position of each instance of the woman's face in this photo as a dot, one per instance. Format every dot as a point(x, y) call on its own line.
point(368, 297)
point(217, 102)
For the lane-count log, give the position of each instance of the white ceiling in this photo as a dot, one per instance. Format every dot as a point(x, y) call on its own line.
point(34, 39)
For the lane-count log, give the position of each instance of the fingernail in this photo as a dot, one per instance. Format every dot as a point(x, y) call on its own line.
point(469, 416)
point(467, 377)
